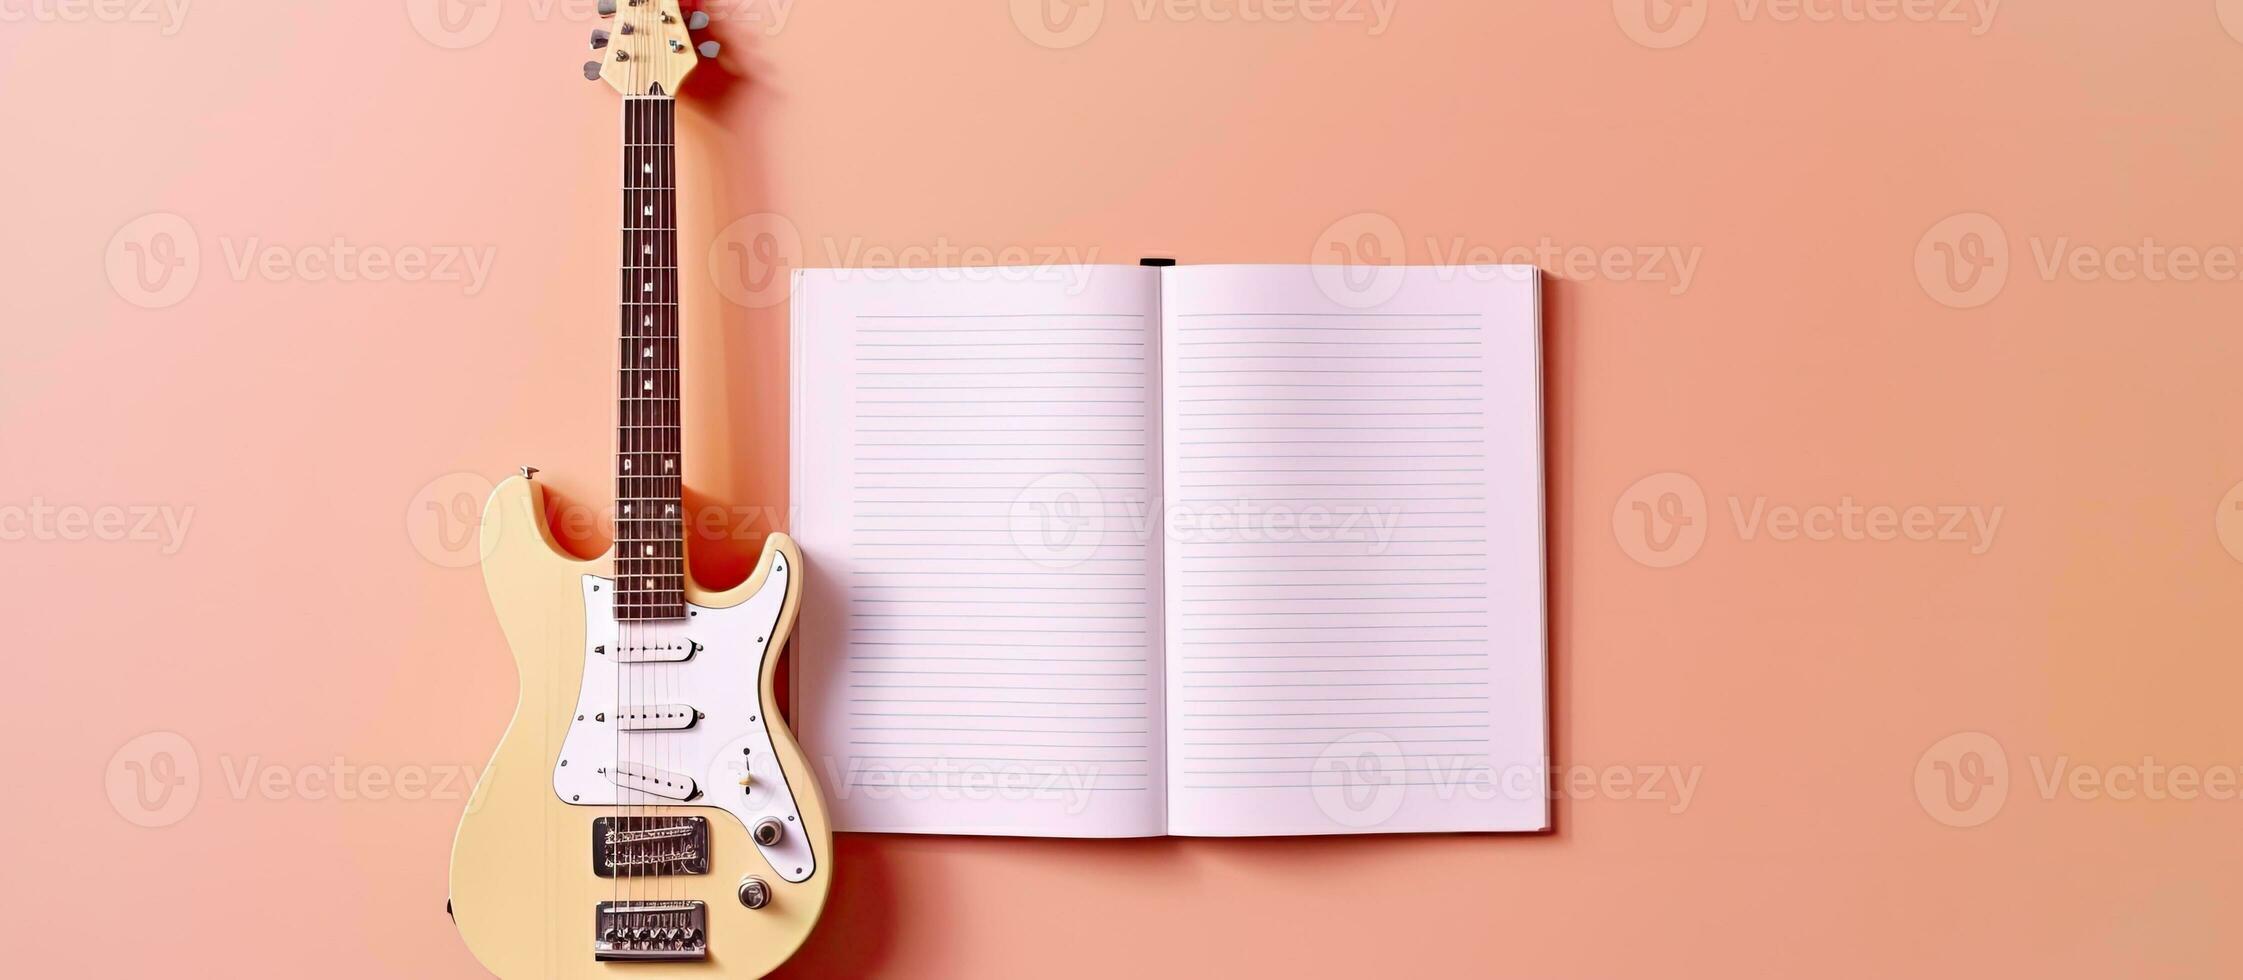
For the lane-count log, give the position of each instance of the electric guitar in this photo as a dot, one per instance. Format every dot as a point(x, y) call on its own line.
point(647, 813)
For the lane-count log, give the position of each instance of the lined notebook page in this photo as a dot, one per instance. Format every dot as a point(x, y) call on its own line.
point(1354, 594)
point(974, 471)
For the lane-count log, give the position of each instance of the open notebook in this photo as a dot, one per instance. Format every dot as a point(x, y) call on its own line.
point(1117, 551)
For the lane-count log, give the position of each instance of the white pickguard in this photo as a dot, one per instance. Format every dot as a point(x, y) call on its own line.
point(723, 681)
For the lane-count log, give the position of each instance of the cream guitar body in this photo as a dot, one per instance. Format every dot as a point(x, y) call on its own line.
point(524, 889)
point(647, 813)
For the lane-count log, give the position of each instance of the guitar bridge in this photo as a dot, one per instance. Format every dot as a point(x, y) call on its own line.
point(656, 931)
point(648, 847)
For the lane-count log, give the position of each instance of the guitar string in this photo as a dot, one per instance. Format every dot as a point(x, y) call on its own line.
point(642, 636)
point(667, 386)
point(623, 504)
point(659, 410)
point(634, 414)
point(626, 625)
point(674, 472)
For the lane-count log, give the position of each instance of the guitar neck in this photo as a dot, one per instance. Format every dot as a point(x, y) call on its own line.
point(649, 505)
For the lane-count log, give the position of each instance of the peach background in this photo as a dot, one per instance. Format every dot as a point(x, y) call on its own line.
point(309, 613)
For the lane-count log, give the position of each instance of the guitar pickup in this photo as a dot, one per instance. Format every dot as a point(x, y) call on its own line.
point(646, 847)
point(654, 782)
point(655, 717)
point(675, 651)
point(650, 931)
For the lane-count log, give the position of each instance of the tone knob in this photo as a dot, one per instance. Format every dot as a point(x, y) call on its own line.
point(768, 830)
point(754, 893)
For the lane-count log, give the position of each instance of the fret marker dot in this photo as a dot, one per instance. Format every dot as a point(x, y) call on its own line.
point(646, 168)
point(626, 464)
point(646, 352)
point(648, 386)
point(650, 583)
point(647, 211)
point(649, 549)
point(669, 464)
point(626, 508)
point(646, 250)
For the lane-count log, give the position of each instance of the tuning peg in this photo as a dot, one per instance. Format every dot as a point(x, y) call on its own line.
point(599, 39)
point(592, 70)
point(709, 49)
point(699, 20)
point(607, 8)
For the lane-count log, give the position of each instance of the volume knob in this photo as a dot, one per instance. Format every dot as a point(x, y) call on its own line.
point(768, 831)
point(754, 893)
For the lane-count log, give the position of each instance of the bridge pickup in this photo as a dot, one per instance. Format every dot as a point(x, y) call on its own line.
point(651, 931)
point(647, 847)
point(654, 782)
point(676, 651)
point(655, 717)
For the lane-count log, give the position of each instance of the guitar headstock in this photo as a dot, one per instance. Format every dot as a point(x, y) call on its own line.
point(650, 49)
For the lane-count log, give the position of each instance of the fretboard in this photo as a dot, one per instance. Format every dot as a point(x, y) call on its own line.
point(649, 505)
